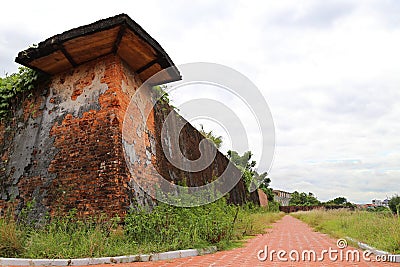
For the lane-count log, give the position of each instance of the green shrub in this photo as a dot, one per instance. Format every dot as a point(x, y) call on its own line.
point(394, 204)
point(182, 227)
point(13, 85)
point(70, 237)
point(165, 228)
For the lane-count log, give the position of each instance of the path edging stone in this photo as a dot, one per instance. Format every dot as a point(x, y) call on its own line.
point(393, 258)
point(108, 260)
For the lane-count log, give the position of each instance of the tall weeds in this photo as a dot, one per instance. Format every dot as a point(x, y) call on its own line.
point(165, 228)
point(378, 229)
point(11, 238)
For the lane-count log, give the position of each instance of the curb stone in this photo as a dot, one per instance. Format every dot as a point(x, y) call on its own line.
point(108, 260)
point(393, 258)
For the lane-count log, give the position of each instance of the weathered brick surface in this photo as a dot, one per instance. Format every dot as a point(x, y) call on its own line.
point(189, 138)
point(263, 198)
point(63, 146)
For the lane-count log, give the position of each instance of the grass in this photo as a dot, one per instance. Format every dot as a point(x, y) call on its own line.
point(256, 222)
point(249, 224)
point(165, 228)
point(378, 229)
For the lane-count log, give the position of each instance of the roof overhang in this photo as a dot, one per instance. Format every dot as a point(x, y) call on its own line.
point(118, 35)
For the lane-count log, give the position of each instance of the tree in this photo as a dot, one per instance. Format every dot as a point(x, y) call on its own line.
point(340, 201)
point(303, 199)
point(243, 164)
point(394, 204)
point(264, 186)
point(217, 140)
point(243, 161)
point(249, 174)
point(337, 201)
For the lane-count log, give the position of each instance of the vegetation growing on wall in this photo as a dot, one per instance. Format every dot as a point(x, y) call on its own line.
point(244, 164)
point(163, 96)
point(217, 140)
point(249, 174)
point(14, 85)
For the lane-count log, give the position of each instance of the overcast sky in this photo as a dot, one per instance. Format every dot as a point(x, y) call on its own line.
point(329, 71)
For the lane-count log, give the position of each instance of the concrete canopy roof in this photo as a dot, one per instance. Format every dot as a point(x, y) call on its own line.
point(118, 35)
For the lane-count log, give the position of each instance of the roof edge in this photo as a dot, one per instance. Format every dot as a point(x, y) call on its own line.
point(55, 42)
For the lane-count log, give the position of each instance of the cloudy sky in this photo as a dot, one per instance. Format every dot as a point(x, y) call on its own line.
point(329, 71)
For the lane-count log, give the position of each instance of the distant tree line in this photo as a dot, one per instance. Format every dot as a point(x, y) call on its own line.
point(303, 199)
point(309, 199)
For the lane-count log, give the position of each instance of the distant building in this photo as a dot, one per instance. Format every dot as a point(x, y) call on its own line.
point(377, 202)
point(380, 203)
point(282, 197)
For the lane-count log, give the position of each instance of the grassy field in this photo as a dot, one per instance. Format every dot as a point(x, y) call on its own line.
point(166, 228)
point(378, 229)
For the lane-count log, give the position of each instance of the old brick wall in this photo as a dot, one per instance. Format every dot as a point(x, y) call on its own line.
point(62, 149)
point(189, 139)
point(289, 209)
point(263, 198)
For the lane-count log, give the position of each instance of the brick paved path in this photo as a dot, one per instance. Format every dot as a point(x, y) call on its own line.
point(287, 234)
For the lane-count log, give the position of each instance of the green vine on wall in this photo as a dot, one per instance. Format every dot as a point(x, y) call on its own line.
point(13, 85)
point(161, 94)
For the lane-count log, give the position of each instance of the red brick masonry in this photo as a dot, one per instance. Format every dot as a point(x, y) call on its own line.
point(62, 149)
